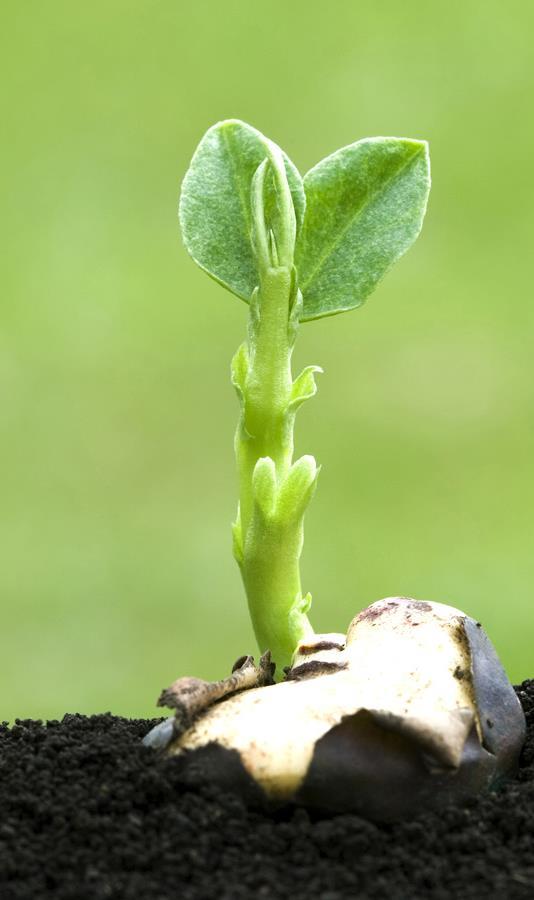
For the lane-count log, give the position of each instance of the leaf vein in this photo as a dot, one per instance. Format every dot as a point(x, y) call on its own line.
point(357, 215)
point(238, 183)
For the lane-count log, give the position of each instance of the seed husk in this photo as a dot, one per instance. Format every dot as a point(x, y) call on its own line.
point(409, 711)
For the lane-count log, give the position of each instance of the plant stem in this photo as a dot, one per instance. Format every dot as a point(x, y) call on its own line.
point(274, 491)
point(269, 433)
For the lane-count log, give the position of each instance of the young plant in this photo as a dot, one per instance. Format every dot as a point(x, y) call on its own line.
point(411, 708)
point(295, 249)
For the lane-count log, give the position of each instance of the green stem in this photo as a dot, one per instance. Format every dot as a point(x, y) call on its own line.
point(265, 430)
point(273, 491)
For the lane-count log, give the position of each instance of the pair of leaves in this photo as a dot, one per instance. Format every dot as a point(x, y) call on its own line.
point(357, 212)
point(286, 502)
point(215, 203)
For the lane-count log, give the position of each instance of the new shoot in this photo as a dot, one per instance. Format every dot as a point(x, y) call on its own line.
point(295, 250)
point(410, 708)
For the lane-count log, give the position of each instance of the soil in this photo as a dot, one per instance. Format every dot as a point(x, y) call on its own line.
point(87, 813)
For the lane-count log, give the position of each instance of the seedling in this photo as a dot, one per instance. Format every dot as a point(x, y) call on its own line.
point(295, 250)
point(377, 713)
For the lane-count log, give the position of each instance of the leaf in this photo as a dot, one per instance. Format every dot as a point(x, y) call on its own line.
point(264, 486)
point(239, 370)
point(301, 607)
point(304, 387)
point(365, 205)
point(297, 489)
point(215, 203)
point(304, 604)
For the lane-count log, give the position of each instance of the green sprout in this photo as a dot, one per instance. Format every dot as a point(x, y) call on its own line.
point(387, 719)
point(295, 249)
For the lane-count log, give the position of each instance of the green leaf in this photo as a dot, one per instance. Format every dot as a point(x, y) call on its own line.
point(365, 205)
point(305, 603)
point(304, 387)
point(297, 489)
point(239, 370)
point(301, 607)
point(264, 486)
point(215, 202)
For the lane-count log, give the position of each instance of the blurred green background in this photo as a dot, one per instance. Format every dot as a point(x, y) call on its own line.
point(116, 415)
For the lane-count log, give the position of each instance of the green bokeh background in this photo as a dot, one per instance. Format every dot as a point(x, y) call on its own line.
point(117, 482)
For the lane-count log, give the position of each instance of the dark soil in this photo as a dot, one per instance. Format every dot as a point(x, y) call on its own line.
point(87, 813)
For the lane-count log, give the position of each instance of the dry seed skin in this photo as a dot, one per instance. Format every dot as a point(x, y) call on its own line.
point(398, 689)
